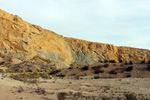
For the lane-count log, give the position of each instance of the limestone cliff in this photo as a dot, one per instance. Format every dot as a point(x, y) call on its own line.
point(20, 39)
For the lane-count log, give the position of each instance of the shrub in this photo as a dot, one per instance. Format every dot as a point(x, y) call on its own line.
point(106, 61)
point(143, 61)
point(120, 61)
point(113, 72)
point(96, 67)
point(130, 68)
point(70, 68)
point(149, 62)
point(126, 63)
point(130, 63)
point(85, 68)
point(148, 67)
point(61, 96)
point(99, 71)
point(45, 75)
point(2, 63)
point(106, 65)
point(54, 72)
point(35, 74)
point(112, 61)
point(96, 77)
point(130, 96)
point(129, 75)
point(40, 91)
point(61, 75)
point(20, 89)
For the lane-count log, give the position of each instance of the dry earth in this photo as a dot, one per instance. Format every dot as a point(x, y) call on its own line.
point(98, 88)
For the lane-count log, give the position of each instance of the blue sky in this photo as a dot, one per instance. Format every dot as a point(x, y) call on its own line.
point(118, 22)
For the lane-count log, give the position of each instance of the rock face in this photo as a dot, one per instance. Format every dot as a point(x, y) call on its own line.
point(22, 40)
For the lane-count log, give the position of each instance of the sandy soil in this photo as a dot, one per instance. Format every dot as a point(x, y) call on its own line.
point(9, 88)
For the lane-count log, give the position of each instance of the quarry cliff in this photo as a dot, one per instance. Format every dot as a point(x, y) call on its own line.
point(20, 39)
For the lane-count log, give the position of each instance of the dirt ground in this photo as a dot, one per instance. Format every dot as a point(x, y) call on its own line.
point(98, 88)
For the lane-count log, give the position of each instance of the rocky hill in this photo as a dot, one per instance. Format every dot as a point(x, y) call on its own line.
point(22, 40)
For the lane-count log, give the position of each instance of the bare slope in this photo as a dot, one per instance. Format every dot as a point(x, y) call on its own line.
point(22, 40)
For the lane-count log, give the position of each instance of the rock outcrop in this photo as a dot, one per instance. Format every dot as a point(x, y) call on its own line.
point(22, 40)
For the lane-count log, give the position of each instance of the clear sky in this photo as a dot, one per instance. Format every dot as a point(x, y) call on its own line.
point(118, 22)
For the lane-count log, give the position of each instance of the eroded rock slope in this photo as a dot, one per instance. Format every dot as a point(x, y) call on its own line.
point(19, 39)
